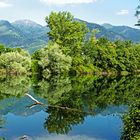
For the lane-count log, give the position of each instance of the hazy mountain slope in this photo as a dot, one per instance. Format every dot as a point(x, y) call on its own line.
point(128, 32)
point(9, 35)
point(107, 25)
point(28, 27)
point(31, 29)
point(103, 32)
point(23, 33)
point(32, 36)
point(36, 35)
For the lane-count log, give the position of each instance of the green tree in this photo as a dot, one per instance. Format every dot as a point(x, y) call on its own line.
point(14, 62)
point(2, 48)
point(70, 34)
point(53, 61)
point(66, 31)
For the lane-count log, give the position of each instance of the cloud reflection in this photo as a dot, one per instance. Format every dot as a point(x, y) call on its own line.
point(66, 137)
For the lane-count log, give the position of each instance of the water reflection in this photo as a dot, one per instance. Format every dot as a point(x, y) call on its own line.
point(14, 86)
point(88, 96)
point(68, 101)
point(132, 122)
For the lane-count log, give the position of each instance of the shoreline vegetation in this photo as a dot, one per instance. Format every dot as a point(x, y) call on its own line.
point(70, 52)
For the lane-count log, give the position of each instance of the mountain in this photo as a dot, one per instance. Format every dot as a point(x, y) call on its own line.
point(28, 27)
point(107, 25)
point(31, 29)
point(125, 31)
point(9, 35)
point(22, 107)
point(103, 32)
point(36, 35)
point(31, 36)
point(23, 33)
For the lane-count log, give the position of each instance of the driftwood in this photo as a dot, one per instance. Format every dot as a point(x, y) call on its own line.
point(55, 106)
point(35, 100)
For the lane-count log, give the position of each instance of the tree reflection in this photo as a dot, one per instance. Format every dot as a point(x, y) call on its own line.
point(15, 86)
point(53, 89)
point(71, 99)
point(60, 121)
point(112, 91)
point(132, 122)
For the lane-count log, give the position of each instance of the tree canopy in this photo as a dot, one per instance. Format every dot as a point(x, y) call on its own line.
point(66, 31)
point(14, 60)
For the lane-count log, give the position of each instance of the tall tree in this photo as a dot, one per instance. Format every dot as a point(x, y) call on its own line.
point(66, 31)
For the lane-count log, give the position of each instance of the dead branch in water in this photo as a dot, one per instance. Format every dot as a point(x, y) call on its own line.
point(35, 100)
point(55, 106)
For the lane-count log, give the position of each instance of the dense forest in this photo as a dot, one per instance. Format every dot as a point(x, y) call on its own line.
point(70, 52)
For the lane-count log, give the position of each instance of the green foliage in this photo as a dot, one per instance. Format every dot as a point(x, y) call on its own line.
point(69, 51)
point(83, 56)
point(132, 122)
point(52, 60)
point(14, 61)
point(115, 56)
point(66, 31)
point(33, 36)
point(15, 86)
point(71, 99)
point(70, 34)
point(2, 48)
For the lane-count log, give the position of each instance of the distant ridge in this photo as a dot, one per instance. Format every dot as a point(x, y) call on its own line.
point(31, 35)
point(107, 25)
point(128, 32)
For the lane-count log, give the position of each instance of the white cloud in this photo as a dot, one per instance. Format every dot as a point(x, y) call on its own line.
point(63, 2)
point(123, 12)
point(4, 4)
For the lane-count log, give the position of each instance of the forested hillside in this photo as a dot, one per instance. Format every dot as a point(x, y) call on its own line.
point(32, 36)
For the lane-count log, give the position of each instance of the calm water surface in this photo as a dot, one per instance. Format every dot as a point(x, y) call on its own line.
point(74, 108)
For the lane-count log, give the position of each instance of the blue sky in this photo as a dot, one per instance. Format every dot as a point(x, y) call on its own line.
point(116, 12)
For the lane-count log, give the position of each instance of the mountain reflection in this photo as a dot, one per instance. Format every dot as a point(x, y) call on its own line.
point(68, 100)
